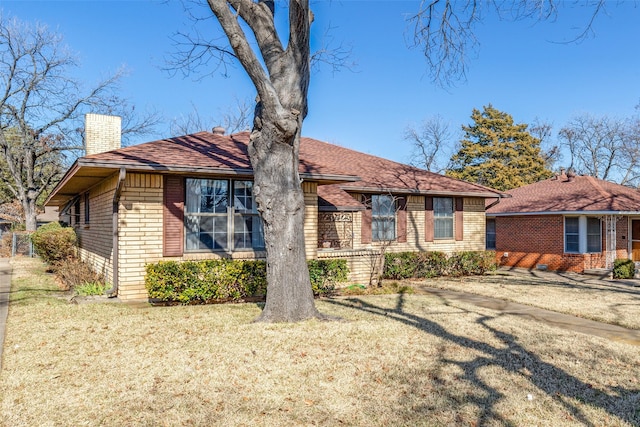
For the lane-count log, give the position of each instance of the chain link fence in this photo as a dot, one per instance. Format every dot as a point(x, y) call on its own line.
point(16, 243)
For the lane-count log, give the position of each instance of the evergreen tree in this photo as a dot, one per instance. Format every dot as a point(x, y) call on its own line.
point(498, 153)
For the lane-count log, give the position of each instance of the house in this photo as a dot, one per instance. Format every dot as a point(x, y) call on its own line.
point(190, 197)
point(566, 223)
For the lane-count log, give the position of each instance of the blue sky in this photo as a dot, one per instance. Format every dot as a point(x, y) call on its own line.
point(520, 67)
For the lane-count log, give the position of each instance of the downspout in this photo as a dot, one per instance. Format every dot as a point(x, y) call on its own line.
point(113, 292)
point(492, 204)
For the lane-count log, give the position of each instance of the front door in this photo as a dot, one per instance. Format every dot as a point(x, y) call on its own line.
point(635, 239)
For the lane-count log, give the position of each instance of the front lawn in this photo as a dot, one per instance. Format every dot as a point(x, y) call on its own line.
point(610, 301)
point(394, 360)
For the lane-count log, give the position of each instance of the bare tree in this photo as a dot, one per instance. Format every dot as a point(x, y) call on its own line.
point(41, 108)
point(279, 70)
point(445, 29)
point(549, 150)
point(432, 144)
point(604, 147)
point(235, 119)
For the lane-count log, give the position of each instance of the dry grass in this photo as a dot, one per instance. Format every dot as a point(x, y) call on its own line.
point(395, 360)
point(609, 301)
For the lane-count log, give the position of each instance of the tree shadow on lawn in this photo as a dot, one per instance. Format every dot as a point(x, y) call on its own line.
point(566, 280)
point(515, 359)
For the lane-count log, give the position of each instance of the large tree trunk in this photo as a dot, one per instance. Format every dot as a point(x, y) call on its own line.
point(281, 204)
point(281, 79)
point(30, 214)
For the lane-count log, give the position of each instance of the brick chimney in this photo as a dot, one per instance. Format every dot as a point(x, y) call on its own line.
point(101, 133)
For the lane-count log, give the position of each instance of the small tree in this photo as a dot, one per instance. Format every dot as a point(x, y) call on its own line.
point(498, 153)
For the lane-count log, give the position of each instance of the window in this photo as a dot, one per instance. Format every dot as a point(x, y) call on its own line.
point(572, 235)
point(86, 208)
point(443, 217)
point(76, 211)
point(582, 235)
point(491, 233)
point(383, 218)
point(594, 239)
point(216, 221)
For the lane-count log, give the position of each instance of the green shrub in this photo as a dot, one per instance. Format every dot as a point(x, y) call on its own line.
point(325, 273)
point(624, 269)
point(91, 288)
point(471, 263)
point(228, 280)
point(54, 243)
point(431, 264)
point(420, 265)
point(206, 281)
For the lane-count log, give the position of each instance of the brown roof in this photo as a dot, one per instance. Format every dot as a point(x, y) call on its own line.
point(208, 153)
point(563, 194)
point(332, 198)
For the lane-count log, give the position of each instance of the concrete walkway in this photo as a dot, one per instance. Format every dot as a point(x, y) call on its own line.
point(551, 318)
point(5, 288)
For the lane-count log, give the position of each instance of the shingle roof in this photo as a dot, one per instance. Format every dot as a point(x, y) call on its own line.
point(332, 197)
point(206, 152)
point(563, 194)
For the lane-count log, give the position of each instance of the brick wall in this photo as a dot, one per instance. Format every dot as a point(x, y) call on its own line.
point(310, 190)
point(140, 234)
point(528, 241)
point(102, 133)
point(364, 257)
point(95, 236)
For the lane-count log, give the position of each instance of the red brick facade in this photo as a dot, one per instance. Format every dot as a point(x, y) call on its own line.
point(530, 240)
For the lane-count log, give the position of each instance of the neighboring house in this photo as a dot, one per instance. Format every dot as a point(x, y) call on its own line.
point(50, 214)
point(566, 223)
point(191, 197)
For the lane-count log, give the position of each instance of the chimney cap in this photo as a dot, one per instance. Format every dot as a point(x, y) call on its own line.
point(218, 130)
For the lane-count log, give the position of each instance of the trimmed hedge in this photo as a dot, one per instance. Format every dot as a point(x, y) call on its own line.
point(624, 269)
point(420, 265)
point(226, 280)
point(325, 273)
point(54, 243)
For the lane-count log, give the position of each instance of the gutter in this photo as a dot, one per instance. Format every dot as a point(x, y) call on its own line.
point(492, 204)
point(113, 292)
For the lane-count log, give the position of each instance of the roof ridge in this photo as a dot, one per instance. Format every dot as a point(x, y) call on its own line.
point(479, 186)
point(596, 184)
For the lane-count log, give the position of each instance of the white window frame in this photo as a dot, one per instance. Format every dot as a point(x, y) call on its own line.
point(583, 235)
point(236, 209)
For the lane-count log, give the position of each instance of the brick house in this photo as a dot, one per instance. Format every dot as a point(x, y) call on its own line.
point(566, 223)
point(190, 197)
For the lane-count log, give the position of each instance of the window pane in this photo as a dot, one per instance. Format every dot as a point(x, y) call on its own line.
point(383, 229)
point(491, 233)
point(382, 205)
point(207, 196)
point(243, 196)
point(206, 232)
point(594, 239)
point(443, 206)
point(571, 225)
point(383, 218)
point(443, 228)
point(248, 232)
point(571, 235)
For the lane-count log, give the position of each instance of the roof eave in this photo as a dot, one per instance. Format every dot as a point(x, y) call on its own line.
point(491, 214)
point(424, 192)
